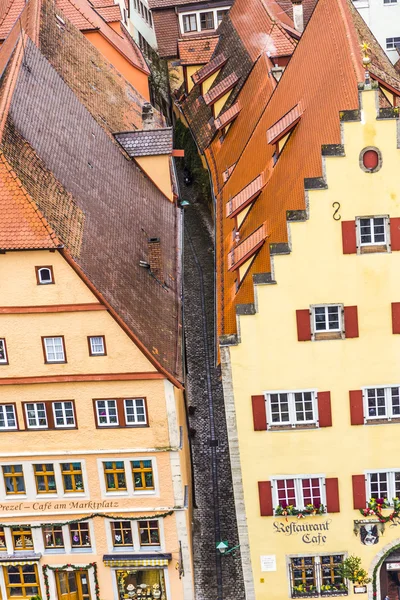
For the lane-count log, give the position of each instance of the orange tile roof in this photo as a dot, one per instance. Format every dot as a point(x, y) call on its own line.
point(228, 116)
point(197, 51)
point(324, 83)
point(209, 69)
point(22, 225)
point(220, 89)
point(245, 250)
point(73, 14)
point(9, 14)
point(284, 124)
point(228, 172)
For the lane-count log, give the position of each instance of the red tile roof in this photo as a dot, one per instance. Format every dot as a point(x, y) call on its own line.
point(22, 225)
point(209, 69)
point(154, 4)
point(245, 250)
point(197, 51)
point(111, 14)
point(228, 116)
point(219, 90)
point(308, 7)
point(284, 124)
point(73, 14)
point(10, 12)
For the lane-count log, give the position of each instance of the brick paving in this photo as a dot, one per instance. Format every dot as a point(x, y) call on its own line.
point(207, 561)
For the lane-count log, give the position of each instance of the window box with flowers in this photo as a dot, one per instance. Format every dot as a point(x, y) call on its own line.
point(305, 591)
point(288, 510)
point(334, 590)
point(376, 505)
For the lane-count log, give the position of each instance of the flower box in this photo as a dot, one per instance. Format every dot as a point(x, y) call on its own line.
point(335, 593)
point(305, 594)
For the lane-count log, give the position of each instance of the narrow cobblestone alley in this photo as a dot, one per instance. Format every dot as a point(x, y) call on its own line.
point(216, 577)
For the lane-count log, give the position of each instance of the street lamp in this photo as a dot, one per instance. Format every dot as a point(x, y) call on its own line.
point(223, 547)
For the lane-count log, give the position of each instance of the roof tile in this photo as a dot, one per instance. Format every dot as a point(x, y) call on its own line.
point(197, 51)
point(209, 69)
point(228, 116)
point(245, 250)
point(147, 142)
point(284, 124)
point(219, 90)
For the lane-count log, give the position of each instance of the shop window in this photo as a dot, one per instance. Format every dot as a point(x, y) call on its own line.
point(3, 545)
point(72, 477)
point(21, 581)
point(53, 537)
point(14, 479)
point(80, 535)
point(121, 533)
point(143, 478)
point(149, 533)
point(8, 419)
point(97, 345)
point(44, 275)
point(3, 352)
point(54, 351)
point(45, 479)
point(317, 576)
point(114, 473)
point(150, 582)
point(22, 538)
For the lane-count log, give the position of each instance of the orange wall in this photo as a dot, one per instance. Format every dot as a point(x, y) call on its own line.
point(135, 76)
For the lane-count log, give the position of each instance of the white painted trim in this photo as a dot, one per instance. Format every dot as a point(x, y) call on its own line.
point(66, 453)
point(292, 409)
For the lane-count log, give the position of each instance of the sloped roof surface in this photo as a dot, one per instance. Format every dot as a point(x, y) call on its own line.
point(148, 142)
point(9, 13)
point(111, 14)
point(22, 225)
point(197, 51)
point(167, 3)
point(99, 203)
point(73, 14)
point(336, 69)
point(308, 7)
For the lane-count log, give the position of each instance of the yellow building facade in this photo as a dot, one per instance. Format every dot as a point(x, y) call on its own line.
point(313, 413)
point(95, 473)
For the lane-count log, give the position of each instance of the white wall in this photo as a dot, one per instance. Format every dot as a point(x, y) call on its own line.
point(383, 20)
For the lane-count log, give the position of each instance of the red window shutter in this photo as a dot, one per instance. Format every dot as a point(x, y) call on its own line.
point(356, 407)
point(265, 494)
point(332, 494)
point(303, 325)
point(324, 409)
point(359, 494)
point(350, 321)
point(349, 241)
point(395, 233)
point(259, 413)
point(396, 317)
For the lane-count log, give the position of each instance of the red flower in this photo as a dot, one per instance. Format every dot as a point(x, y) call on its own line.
point(284, 504)
point(317, 505)
point(380, 500)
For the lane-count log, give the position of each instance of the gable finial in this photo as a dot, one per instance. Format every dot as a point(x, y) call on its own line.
point(366, 62)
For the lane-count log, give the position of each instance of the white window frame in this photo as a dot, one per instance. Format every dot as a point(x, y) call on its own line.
point(56, 360)
point(292, 408)
point(317, 564)
point(386, 223)
point(390, 473)
point(388, 402)
point(63, 409)
point(92, 350)
point(326, 306)
point(39, 272)
point(4, 361)
point(391, 43)
point(136, 422)
point(36, 410)
point(3, 409)
point(389, 2)
point(197, 14)
point(298, 486)
point(106, 407)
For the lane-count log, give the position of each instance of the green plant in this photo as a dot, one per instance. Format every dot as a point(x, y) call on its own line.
point(351, 569)
point(36, 598)
point(375, 506)
point(289, 510)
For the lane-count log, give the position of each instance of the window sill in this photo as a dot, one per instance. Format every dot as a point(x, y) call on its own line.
point(150, 548)
point(54, 551)
point(328, 335)
point(379, 248)
point(117, 493)
point(86, 550)
point(291, 427)
point(55, 362)
point(123, 549)
point(144, 493)
point(372, 421)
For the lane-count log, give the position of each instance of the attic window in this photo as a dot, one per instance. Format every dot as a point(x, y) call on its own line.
point(243, 198)
point(279, 133)
point(44, 275)
point(247, 248)
point(60, 20)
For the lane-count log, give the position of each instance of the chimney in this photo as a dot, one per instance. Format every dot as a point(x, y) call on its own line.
point(154, 247)
point(147, 116)
point(298, 15)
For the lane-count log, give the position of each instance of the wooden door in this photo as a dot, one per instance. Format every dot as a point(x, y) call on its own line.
point(67, 585)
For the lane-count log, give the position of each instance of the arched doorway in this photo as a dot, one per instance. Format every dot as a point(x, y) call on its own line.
point(389, 576)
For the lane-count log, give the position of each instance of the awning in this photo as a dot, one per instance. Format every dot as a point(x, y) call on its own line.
point(132, 560)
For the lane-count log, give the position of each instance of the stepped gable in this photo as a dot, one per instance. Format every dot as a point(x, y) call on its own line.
point(336, 30)
point(112, 203)
point(251, 29)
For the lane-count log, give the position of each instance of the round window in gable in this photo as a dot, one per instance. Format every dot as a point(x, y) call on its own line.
point(370, 159)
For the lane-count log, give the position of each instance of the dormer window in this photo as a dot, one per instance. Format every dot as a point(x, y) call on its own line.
point(209, 20)
point(44, 275)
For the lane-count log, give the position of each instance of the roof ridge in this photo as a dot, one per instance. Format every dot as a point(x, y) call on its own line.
point(53, 236)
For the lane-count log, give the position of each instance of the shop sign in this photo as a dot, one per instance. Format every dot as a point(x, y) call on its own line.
point(311, 533)
point(268, 562)
point(360, 589)
point(394, 566)
point(71, 505)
